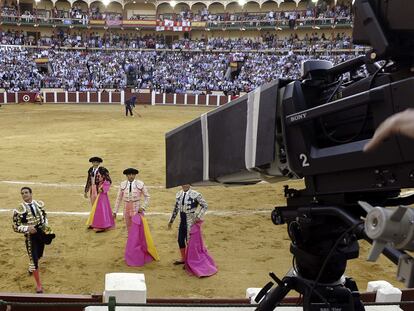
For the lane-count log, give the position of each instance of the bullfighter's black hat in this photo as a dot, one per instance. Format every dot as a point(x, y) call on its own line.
point(131, 171)
point(96, 159)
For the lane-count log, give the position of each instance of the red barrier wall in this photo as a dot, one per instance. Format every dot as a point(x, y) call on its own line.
point(180, 99)
point(202, 99)
point(223, 100)
point(191, 99)
point(212, 100)
point(158, 98)
point(72, 97)
point(11, 98)
point(82, 97)
point(144, 98)
point(169, 98)
point(25, 97)
point(61, 97)
point(116, 97)
point(93, 97)
point(113, 97)
point(104, 97)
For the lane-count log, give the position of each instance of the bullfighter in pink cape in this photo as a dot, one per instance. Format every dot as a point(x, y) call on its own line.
point(192, 207)
point(129, 194)
point(140, 248)
point(100, 218)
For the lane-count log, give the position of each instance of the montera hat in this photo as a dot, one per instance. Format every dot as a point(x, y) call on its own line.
point(96, 159)
point(131, 171)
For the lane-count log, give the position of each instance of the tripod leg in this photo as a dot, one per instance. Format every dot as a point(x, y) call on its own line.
point(352, 286)
point(275, 295)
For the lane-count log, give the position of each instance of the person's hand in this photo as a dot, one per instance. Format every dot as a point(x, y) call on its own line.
point(114, 215)
point(32, 230)
point(198, 220)
point(169, 226)
point(85, 195)
point(399, 123)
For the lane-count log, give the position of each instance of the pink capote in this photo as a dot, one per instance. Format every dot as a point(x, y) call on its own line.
point(103, 218)
point(197, 260)
point(136, 250)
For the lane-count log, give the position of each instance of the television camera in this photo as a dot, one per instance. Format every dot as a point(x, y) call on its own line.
point(315, 128)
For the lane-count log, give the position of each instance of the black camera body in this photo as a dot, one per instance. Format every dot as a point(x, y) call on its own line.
point(293, 131)
point(324, 141)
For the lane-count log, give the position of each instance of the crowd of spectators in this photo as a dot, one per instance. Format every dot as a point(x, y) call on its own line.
point(166, 71)
point(268, 41)
point(18, 71)
point(9, 10)
point(321, 11)
point(114, 59)
point(78, 15)
point(75, 15)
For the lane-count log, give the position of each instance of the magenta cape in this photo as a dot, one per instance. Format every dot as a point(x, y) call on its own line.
point(101, 217)
point(198, 261)
point(140, 248)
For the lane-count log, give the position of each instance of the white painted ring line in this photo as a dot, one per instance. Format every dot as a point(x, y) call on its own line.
point(61, 185)
point(214, 213)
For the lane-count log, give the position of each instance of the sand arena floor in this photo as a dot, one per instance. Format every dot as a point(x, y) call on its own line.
point(47, 147)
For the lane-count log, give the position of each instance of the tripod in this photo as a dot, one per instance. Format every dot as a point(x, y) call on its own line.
point(323, 239)
point(342, 295)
